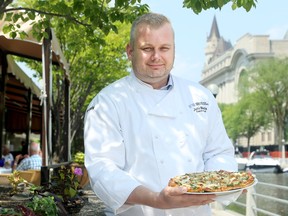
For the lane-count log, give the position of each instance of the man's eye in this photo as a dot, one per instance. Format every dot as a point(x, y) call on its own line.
point(147, 49)
point(165, 49)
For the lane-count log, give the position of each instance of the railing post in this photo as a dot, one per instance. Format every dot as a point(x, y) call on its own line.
point(250, 202)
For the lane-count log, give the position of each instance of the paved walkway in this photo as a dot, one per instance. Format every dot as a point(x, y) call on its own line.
point(217, 210)
point(224, 213)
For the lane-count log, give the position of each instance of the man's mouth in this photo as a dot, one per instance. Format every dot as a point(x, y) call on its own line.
point(155, 66)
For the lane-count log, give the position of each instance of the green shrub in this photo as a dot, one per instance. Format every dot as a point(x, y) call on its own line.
point(44, 206)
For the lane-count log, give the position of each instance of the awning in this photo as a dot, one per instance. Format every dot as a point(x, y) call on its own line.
point(18, 85)
point(20, 75)
point(30, 47)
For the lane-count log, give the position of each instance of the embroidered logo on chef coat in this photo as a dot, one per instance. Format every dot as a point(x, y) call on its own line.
point(201, 106)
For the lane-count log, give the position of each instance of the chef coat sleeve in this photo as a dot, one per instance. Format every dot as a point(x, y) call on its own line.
point(105, 154)
point(219, 151)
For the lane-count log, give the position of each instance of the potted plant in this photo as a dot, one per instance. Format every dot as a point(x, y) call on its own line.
point(78, 161)
point(65, 185)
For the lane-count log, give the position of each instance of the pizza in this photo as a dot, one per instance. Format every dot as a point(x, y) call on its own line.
point(213, 181)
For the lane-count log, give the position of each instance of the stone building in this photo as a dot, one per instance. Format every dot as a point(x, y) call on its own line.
point(226, 65)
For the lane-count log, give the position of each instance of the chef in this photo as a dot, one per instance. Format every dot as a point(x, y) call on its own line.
point(150, 126)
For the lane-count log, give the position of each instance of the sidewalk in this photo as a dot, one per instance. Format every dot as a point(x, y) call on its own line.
point(216, 212)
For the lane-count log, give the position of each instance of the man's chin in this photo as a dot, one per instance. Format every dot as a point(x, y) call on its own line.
point(157, 74)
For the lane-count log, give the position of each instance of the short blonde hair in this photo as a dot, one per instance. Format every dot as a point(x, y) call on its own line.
point(154, 20)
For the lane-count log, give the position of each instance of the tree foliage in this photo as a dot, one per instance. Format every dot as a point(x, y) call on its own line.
point(269, 81)
point(245, 118)
point(198, 5)
point(230, 121)
point(92, 14)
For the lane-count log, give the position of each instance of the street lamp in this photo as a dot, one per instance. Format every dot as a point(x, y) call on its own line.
point(214, 89)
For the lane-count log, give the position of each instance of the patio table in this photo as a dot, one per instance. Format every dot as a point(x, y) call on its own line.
point(5, 170)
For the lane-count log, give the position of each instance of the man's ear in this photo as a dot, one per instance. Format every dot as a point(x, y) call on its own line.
point(129, 51)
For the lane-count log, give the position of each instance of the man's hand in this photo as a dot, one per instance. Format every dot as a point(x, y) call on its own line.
point(16, 161)
point(169, 197)
point(176, 197)
point(19, 157)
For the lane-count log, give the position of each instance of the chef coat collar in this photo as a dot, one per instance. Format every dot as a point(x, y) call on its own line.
point(168, 86)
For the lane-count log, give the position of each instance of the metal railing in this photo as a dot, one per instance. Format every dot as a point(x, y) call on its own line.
point(252, 209)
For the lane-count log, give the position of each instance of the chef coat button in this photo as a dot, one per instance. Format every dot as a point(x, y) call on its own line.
point(161, 161)
point(189, 160)
point(156, 137)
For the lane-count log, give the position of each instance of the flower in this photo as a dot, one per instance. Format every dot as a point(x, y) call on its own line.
point(78, 171)
point(65, 182)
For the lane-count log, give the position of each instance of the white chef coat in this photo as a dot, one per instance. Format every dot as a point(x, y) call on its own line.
point(136, 135)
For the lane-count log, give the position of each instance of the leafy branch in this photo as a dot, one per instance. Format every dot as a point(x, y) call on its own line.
point(67, 16)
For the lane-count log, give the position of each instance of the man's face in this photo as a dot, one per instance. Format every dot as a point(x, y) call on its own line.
point(152, 55)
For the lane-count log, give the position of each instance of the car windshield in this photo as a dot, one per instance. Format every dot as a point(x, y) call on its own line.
point(261, 156)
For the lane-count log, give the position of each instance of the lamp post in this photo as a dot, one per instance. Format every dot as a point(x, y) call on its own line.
point(214, 89)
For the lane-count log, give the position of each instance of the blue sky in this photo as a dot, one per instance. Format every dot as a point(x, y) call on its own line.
point(191, 30)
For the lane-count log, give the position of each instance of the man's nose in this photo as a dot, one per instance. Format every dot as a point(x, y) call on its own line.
point(156, 55)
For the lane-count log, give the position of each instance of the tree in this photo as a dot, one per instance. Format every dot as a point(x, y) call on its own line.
point(245, 118)
point(230, 118)
point(92, 68)
point(252, 117)
point(269, 81)
point(198, 5)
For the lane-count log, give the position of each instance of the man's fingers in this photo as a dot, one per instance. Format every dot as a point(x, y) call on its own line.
point(174, 191)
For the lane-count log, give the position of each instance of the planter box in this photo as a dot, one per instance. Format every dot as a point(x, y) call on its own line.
point(32, 176)
point(4, 178)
